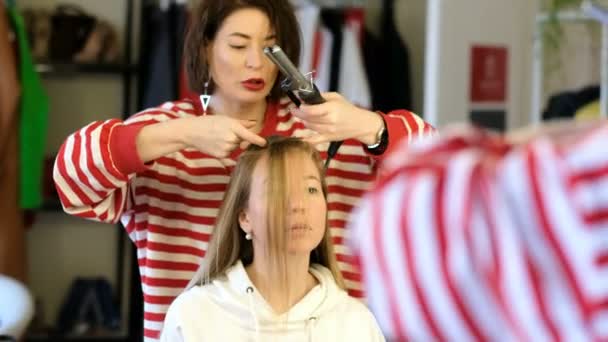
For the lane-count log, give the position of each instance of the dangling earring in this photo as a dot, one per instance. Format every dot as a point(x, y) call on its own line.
point(248, 236)
point(205, 98)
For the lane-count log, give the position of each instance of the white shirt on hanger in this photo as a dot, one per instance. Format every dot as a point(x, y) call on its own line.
point(352, 82)
point(308, 18)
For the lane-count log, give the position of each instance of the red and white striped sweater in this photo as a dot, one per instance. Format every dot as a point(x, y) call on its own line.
point(479, 240)
point(168, 207)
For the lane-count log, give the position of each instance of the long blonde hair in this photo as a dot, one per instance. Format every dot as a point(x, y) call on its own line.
point(228, 243)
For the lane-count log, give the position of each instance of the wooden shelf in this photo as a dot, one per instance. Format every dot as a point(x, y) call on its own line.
point(126, 73)
point(76, 338)
point(51, 205)
point(58, 69)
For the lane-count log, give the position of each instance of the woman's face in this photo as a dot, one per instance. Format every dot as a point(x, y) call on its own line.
point(306, 205)
point(239, 69)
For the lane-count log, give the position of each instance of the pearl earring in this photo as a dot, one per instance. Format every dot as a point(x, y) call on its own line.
point(248, 236)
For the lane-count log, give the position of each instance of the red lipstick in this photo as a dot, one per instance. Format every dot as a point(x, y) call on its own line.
point(254, 84)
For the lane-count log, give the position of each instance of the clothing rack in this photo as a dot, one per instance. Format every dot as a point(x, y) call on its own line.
point(589, 11)
point(330, 3)
point(164, 4)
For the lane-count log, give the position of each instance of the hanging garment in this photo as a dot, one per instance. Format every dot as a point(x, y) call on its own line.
point(317, 42)
point(34, 108)
point(157, 64)
point(308, 19)
point(387, 63)
point(576, 62)
point(352, 81)
point(322, 57)
point(590, 111)
point(160, 66)
point(331, 47)
point(333, 20)
point(564, 105)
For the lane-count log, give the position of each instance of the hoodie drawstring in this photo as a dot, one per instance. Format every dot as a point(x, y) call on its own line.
point(310, 323)
point(309, 327)
point(252, 311)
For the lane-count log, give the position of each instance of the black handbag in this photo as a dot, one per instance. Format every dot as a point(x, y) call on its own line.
point(71, 27)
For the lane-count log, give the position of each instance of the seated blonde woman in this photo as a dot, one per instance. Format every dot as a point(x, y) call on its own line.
point(270, 272)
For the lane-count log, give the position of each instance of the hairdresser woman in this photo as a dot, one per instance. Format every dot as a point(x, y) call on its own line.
point(163, 172)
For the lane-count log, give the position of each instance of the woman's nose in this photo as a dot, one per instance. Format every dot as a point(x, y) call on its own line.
point(296, 203)
point(255, 58)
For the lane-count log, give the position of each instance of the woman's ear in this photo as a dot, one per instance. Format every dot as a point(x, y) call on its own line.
point(244, 221)
point(208, 47)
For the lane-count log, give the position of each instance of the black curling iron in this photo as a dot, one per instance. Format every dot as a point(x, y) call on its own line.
point(295, 83)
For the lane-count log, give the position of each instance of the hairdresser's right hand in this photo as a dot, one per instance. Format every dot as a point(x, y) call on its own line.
point(218, 135)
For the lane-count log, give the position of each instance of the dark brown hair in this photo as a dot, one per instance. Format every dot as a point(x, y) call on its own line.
point(208, 18)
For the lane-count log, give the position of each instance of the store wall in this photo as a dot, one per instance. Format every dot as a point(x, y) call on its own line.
point(452, 28)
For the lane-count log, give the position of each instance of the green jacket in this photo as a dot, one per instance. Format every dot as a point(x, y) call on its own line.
point(33, 110)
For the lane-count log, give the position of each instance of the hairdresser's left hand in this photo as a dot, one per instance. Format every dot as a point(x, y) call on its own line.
point(338, 119)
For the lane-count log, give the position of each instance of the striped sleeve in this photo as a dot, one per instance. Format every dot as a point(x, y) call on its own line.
point(403, 124)
point(89, 172)
point(471, 239)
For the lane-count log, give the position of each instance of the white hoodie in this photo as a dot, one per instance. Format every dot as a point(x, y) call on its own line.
point(232, 309)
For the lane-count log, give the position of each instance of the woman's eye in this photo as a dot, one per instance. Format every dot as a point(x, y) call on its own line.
point(237, 47)
point(312, 190)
